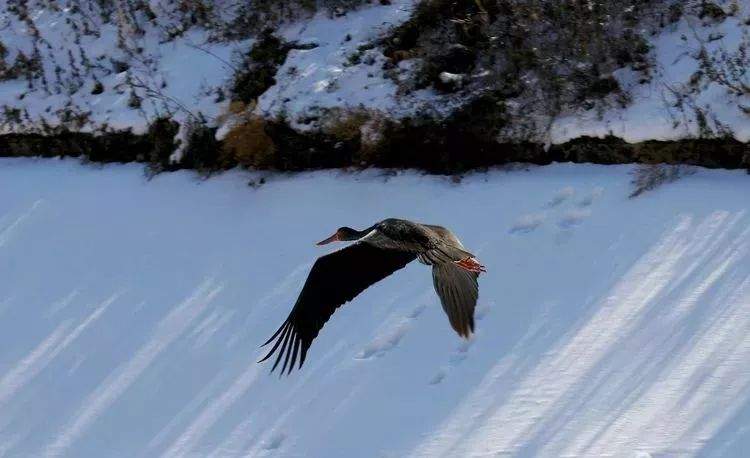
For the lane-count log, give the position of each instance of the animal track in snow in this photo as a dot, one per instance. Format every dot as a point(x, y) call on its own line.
point(481, 311)
point(417, 311)
point(561, 196)
point(461, 352)
point(439, 377)
point(456, 357)
point(589, 199)
point(380, 345)
point(462, 349)
point(275, 441)
point(573, 218)
point(527, 223)
point(570, 218)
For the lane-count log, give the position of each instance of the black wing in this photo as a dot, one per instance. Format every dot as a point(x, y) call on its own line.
point(334, 279)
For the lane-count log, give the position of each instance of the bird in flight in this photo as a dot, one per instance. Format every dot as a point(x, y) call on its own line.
point(380, 250)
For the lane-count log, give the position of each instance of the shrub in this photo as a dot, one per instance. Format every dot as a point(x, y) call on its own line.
point(346, 125)
point(3, 55)
point(711, 11)
point(726, 68)
point(647, 177)
point(554, 54)
point(258, 70)
point(201, 149)
point(248, 144)
point(160, 136)
point(255, 15)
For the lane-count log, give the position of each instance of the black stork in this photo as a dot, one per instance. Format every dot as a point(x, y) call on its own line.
point(380, 250)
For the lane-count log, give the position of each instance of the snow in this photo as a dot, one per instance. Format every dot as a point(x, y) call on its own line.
point(322, 78)
point(182, 76)
point(325, 77)
point(652, 115)
point(131, 311)
point(177, 77)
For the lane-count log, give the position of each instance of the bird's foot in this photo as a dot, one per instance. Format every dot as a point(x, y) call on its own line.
point(470, 264)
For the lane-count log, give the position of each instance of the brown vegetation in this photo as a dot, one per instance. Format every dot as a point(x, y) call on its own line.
point(448, 146)
point(248, 144)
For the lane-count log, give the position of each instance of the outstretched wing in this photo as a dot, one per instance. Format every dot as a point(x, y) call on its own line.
point(458, 290)
point(334, 279)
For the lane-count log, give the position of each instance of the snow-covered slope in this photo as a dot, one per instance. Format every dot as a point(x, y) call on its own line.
point(131, 312)
point(666, 108)
point(325, 77)
point(106, 73)
point(93, 68)
point(133, 56)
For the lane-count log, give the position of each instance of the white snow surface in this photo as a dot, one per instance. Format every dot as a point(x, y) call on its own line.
point(131, 312)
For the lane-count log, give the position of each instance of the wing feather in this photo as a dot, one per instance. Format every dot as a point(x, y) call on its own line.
point(334, 279)
point(458, 291)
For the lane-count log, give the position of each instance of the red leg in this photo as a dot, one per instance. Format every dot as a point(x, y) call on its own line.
point(470, 264)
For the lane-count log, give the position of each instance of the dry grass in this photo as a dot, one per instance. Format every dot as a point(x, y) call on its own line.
point(346, 125)
point(647, 177)
point(361, 128)
point(248, 144)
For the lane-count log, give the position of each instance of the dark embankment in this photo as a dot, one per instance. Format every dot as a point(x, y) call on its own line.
point(437, 149)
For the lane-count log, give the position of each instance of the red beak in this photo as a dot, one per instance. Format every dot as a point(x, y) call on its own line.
point(333, 238)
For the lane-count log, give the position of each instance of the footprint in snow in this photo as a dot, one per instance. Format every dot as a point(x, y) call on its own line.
point(527, 223)
point(589, 199)
point(456, 357)
point(381, 344)
point(439, 377)
point(389, 339)
point(461, 352)
point(417, 311)
point(561, 196)
point(481, 311)
point(275, 441)
point(573, 218)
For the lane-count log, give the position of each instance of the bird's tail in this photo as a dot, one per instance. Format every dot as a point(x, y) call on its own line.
point(458, 291)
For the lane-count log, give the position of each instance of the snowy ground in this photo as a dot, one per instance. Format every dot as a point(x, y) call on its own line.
point(131, 313)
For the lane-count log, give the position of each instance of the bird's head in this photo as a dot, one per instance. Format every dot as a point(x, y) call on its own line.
point(343, 234)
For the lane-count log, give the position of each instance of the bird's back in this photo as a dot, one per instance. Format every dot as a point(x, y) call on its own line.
point(432, 243)
point(401, 234)
point(446, 235)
